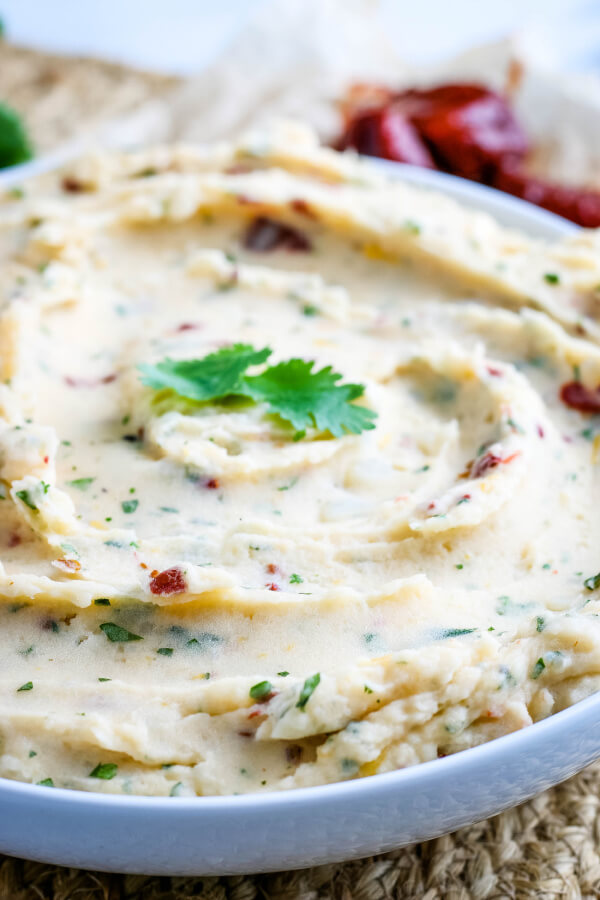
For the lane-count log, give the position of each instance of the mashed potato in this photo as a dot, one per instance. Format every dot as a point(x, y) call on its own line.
point(198, 598)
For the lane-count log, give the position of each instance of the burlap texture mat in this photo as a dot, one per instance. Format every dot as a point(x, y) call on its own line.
point(546, 849)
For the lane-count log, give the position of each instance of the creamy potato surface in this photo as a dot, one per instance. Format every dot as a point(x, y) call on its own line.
point(201, 596)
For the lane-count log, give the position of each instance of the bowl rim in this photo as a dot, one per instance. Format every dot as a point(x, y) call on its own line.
point(491, 201)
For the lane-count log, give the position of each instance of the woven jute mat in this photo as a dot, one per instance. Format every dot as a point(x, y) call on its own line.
point(546, 849)
point(62, 97)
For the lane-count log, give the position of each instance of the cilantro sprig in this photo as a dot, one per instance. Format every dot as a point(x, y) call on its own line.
point(15, 146)
point(293, 390)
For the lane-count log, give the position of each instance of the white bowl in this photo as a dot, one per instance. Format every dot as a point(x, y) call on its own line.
point(309, 826)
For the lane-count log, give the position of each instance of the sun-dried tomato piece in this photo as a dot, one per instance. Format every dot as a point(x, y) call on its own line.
point(580, 205)
point(264, 234)
point(171, 581)
point(388, 134)
point(469, 129)
point(577, 396)
point(466, 129)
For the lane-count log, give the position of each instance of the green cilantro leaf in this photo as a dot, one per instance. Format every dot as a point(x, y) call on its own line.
point(303, 397)
point(105, 771)
point(15, 146)
point(46, 782)
point(291, 389)
point(213, 377)
point(117, 634)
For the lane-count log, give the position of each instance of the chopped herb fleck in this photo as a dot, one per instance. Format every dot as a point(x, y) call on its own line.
point(165, 651)
point(25, 498)
point(296, 579)
point(453, 632)
point(28, 686)
point(82, 484)
point(412, 227)
point(551, 277)
point(308, 689)
point(538, 668)
point(105, 679)
point(118, 634)
point(593, 582)
point(261, 691)
point(46, 782)
point(129, 506)
point(105, 771)
point(283, 674)
point(540, 623)
point(102, 601)
point(367, 689)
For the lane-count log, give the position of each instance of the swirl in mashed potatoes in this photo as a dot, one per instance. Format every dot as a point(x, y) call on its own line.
point(197, 600)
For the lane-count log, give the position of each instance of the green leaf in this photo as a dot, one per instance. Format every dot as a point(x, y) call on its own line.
point(117, 634)
point(46, 782)
point(304, 398)
point(15, 146)
point(308, 689)
point(165, 651)
point(261, 691)
point(105, 771)
point(28, 686)
point(291, 390)
point(129, 506)
point(210, 378)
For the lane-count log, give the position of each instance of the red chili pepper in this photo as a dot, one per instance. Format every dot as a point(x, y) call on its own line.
point(580, 205)
point(272, 586)
point(171, 581)
point(577, 396)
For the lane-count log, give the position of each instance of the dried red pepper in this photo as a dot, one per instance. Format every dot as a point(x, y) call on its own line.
point(464, 129)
